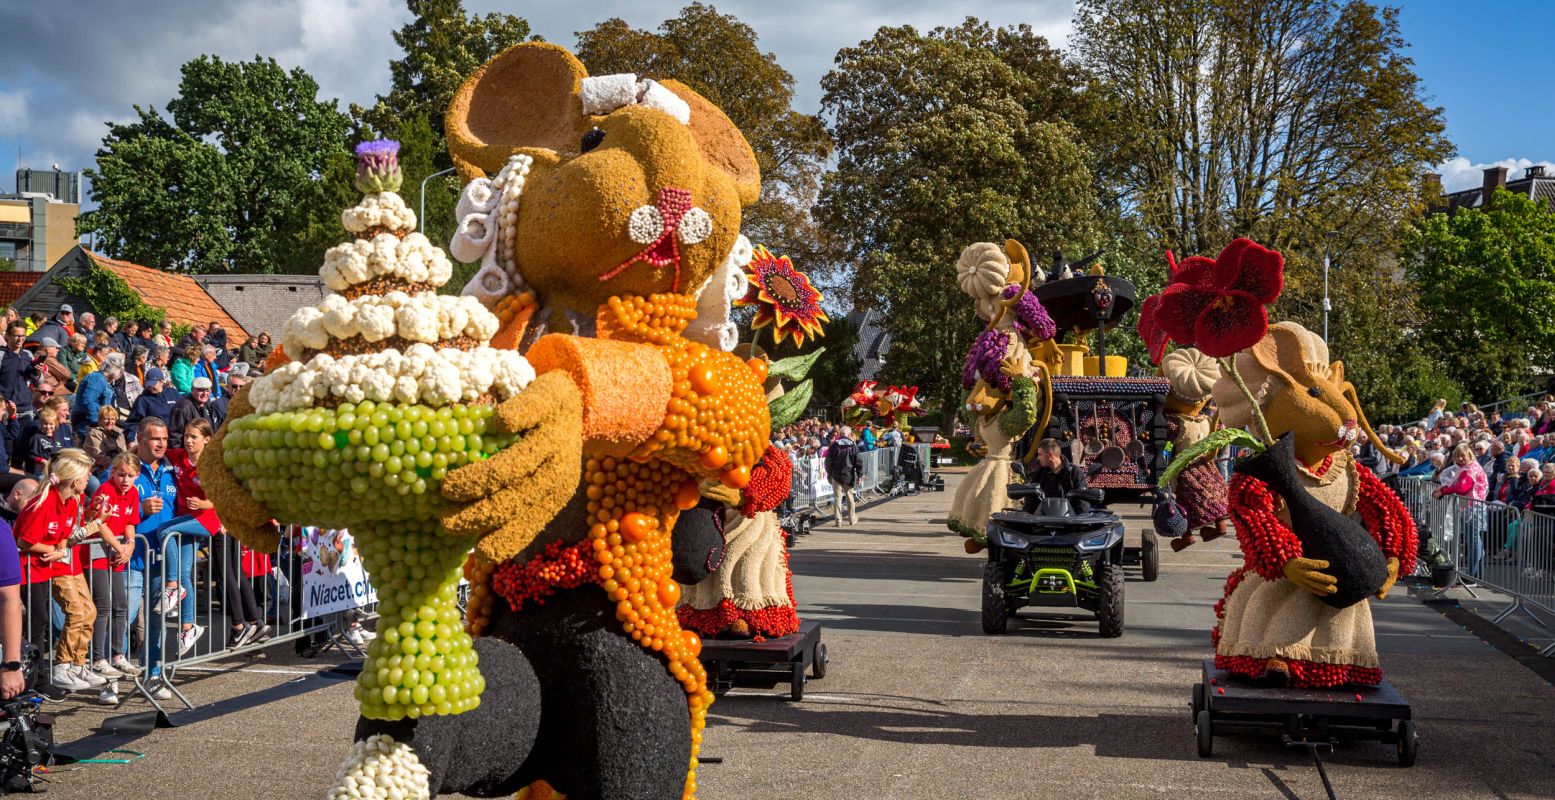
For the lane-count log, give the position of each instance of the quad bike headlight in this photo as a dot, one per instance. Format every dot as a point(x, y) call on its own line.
point(1096, 541)
point(1010, 540)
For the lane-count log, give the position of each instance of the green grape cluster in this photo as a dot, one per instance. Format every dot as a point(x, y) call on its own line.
point(422, 662)
point(357, 463)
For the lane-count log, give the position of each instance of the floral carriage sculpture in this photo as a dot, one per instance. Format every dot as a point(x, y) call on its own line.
point(887, 406)
point(1318, 536)
point(604, 212)
point(1000, 376)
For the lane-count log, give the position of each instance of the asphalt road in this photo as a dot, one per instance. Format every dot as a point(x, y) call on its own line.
point(918, 703)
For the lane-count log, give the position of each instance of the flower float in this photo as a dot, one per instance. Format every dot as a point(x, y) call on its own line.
point(882, 405)
point(1318, 535)
point(999, 376)
point(784, 298)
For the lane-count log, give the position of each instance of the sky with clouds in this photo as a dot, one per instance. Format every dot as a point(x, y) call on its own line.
point(71, 66)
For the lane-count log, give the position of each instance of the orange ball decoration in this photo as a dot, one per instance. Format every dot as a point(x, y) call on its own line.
point(669, 593)
point(736, 478)
point(635, 527)
point(715, 457)
point(758, 366)
point(687, 495)
point(703, 379)
point(693, 643)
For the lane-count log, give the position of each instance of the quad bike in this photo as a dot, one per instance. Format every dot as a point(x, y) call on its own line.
point(1056, 552)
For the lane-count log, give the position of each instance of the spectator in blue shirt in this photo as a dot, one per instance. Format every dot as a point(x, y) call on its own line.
point(158, 488)
point(156, 401)
point(95, 391)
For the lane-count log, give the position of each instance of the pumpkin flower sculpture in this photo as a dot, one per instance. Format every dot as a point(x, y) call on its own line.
point(784, 298)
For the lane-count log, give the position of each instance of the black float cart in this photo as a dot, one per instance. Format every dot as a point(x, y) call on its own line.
point(764, 664)
point(1308, 718)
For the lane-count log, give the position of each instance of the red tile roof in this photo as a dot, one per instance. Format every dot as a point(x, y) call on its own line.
point(186, 302)
point(15, 284)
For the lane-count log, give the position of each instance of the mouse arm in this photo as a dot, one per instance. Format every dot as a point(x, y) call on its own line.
point(1266, 541)
point(1388, 521)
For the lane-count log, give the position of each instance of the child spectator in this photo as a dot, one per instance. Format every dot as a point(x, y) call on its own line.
point(42, 447)
point(117, 506)
point(45, 532)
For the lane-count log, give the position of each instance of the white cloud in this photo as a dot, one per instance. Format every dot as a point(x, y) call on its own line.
point(13, 111)
point(1458, 174)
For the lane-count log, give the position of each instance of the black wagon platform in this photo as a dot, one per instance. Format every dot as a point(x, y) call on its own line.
point(1304, 717)
point(764, 664)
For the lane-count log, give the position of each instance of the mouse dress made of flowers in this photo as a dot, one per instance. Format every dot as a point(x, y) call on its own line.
point(1263, 615)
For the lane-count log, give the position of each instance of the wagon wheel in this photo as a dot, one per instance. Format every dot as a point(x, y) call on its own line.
point(1408, 743)
point(1204, 734)
point(1044, 379)
point(796, 685)
point(819, 661)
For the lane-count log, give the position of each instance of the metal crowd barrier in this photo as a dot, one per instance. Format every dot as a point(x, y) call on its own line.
point(220, 569)
point(1473, 544)
point(811, 487)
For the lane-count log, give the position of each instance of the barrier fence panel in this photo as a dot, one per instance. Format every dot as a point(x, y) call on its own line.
point(1486, 544)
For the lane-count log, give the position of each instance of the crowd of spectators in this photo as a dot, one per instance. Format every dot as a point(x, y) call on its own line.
point(810, 438)
point(102, 425)
point(1501, 459)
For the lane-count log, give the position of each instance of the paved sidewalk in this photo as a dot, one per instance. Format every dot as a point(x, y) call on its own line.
point(920, 704)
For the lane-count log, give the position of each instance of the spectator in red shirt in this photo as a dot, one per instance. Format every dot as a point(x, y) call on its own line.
point(46, 530)
point(117, 506)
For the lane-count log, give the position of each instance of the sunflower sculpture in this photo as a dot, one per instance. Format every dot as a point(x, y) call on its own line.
point(784, 298)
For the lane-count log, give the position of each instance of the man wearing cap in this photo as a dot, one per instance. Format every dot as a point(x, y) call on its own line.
point(197, 405)
point(59, 328)
point(157, 400)
point(95, 391)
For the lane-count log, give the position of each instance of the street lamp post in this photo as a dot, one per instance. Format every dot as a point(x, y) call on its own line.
point(422, 220)
point(1328, 239)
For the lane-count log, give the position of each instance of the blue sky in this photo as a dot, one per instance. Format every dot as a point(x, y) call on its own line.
point(72, 65)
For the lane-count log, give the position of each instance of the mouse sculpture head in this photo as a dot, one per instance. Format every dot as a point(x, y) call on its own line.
point(1299, 391)
point(609, 185)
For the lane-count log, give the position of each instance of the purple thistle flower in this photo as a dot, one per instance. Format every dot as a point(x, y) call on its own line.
point(1031, 319)
point(983, 360)
point(378, 166)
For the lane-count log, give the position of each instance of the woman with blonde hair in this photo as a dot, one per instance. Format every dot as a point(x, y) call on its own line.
point(47, 534)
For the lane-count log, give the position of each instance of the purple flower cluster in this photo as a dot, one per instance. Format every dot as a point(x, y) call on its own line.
point(1031, 319)
point(982, 361)
point(378, 166)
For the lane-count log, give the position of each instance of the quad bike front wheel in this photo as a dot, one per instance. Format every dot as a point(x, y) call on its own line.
point(1109, 607)
point(996, 610)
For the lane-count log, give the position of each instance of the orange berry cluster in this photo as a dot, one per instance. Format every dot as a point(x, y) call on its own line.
point(558, 566)
point(478, 608)
point(632, 508)
point(717, 422)
point(509, 306)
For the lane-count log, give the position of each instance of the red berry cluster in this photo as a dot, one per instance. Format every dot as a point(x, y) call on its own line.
point(1303, 674)
point(771, 482)
point(1385, 516)
point(771, 621)
point(1266, 542)
point(1232, 581)
point(559, 566)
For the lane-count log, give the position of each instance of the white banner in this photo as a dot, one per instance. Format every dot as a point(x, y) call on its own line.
point(333, 578)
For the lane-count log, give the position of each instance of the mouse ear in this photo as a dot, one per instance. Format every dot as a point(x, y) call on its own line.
point(722, 143)
point(525, 98)
point(1279, 352)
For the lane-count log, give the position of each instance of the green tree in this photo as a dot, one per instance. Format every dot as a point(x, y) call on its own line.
point(1281, 120)
point(225, 182)
point(442, 47)
point(718, 56)
point(1485, 278)
point(944, 139)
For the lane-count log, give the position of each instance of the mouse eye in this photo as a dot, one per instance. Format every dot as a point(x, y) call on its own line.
point(1315, 391)
point(591, 140)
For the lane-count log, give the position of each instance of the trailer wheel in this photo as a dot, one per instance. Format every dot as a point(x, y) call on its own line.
point(819, 661)
point(1150, 556)
point(1408, 743)
point(796, 684)
point(1198, 703)
point(1203, 734)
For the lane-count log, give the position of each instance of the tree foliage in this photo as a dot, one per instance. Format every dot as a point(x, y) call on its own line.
point(944, 139)
point(226, 181)
point(442, 47)
point(717, 55)
point(1485, 279)
point(1281, 120)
